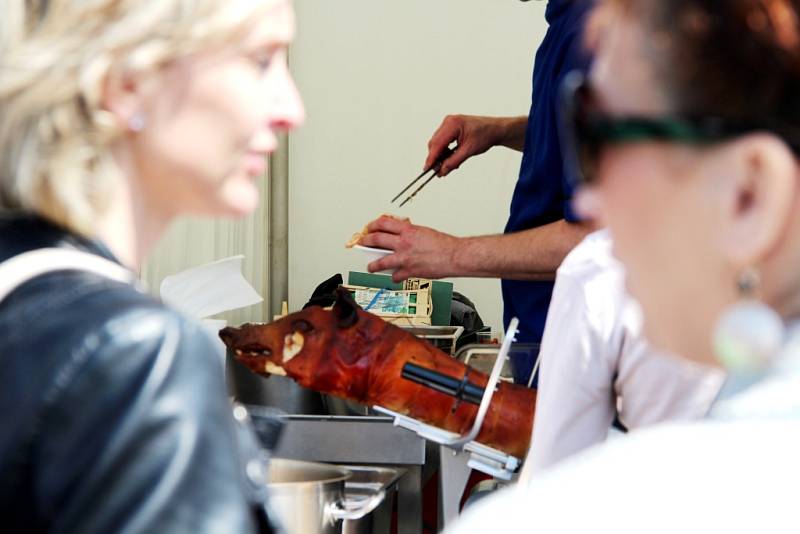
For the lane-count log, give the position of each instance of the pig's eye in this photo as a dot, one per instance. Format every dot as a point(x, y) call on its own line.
point(303, 326)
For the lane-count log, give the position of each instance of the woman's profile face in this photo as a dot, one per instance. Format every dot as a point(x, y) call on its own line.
point(211, 120)
point(656, 200)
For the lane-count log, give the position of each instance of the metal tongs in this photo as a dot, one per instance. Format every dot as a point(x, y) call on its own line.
point(446, 153)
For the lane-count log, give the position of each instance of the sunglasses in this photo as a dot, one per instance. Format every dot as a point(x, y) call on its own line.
point(586, 130)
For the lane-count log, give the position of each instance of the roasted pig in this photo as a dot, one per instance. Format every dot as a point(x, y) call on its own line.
point(349, 353)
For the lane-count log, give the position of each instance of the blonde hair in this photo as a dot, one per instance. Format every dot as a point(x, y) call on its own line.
point(55, 138)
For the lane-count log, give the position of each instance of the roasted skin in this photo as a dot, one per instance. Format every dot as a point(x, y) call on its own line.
point(353, 354)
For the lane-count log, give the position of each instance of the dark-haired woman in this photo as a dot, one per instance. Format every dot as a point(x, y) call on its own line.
point(687, 137)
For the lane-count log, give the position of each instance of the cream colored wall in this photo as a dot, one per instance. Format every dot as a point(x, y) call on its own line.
point(377, 77)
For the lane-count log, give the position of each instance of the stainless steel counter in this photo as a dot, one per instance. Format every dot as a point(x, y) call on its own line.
point(343, 439)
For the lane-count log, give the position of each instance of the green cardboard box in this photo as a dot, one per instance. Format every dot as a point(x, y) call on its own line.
point(441, 293)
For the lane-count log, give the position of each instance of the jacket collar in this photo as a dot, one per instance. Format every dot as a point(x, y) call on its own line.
point(23, 232)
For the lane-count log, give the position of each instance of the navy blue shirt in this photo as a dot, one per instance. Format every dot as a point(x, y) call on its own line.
point(543, 193)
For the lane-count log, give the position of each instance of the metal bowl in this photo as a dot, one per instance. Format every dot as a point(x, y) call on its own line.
point(309, 497)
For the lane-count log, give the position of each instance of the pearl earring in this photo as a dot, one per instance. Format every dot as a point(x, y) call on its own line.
point(137, 123)
point(749, 333)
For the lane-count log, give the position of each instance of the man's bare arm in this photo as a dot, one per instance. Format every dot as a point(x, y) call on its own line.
point(533, 254)
point(514, 130)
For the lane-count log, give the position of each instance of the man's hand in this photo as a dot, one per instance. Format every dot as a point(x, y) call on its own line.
point(474, 135)
point(419, 251)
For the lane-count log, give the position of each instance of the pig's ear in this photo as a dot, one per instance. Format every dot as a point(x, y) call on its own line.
point(345, 309)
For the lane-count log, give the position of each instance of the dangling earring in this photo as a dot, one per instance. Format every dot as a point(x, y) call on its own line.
point(137, 123)
point(749, 333)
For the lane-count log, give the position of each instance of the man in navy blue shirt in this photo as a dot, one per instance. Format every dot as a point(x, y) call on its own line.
point(541, 228)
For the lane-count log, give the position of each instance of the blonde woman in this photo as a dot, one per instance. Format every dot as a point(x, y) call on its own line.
point(117, 116)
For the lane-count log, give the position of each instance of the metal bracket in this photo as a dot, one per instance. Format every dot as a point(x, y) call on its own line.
point(482, 458)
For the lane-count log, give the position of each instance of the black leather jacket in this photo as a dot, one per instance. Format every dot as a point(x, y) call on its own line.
point(113, 406)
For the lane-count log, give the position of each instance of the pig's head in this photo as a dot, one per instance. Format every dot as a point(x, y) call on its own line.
point(292, 345)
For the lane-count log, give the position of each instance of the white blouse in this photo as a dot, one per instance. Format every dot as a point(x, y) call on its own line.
point(596, 363)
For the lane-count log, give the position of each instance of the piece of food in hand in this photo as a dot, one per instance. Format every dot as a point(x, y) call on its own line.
point(355, 355)
point(356, 238)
